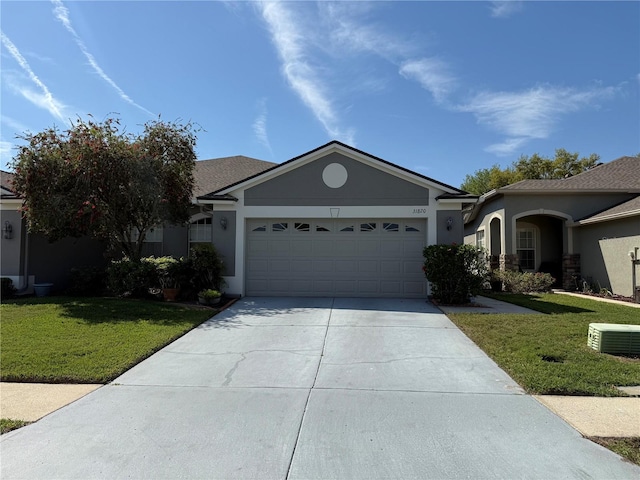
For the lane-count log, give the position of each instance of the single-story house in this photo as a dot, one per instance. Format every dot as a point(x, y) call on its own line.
point(335, 221)
point(579, 229)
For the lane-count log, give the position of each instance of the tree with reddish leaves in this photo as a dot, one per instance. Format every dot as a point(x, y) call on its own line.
point(96, 179)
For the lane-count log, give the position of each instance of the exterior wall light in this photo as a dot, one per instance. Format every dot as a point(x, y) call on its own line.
point(223, 223)
point(7, 230)
point(449, 223)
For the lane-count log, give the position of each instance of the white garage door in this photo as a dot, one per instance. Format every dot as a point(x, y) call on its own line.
point(336, 257)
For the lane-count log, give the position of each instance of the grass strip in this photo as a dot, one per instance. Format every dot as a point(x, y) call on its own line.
point(628, 448)
point(85, 340)
point(7, 424)
point(547, 354)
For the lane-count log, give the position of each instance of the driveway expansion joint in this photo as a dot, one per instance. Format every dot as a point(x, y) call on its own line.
point(306, 404)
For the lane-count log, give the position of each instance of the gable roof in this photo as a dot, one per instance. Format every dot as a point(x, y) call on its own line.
point(622, 174)
point(335, 145)
point(215, 174)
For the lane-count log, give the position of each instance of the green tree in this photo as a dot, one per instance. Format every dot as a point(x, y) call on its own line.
point(96, 179)
point(534, 167)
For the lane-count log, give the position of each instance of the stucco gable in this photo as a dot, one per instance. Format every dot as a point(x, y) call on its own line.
point(347, 151)
point(336, 179)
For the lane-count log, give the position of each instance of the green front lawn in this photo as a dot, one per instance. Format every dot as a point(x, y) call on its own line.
point(85, 340)
point(548, 353)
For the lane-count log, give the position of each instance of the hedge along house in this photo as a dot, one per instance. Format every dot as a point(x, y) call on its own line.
point(580, 228)
point(335, 221)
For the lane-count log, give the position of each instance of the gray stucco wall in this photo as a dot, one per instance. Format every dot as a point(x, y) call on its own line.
point(487, 209)
point(225, 240)
point(577, 206)
point(454, 235)
point(604, 249)
point(365, 186)
point(175, 240)
point(52, 262)
point(11, 248)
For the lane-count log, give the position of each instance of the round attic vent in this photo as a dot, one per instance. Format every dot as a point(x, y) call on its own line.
point(334, 175)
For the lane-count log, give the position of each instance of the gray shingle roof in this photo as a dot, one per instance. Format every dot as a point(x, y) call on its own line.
point(6, 180)
point(213, 175)
point(622, 174)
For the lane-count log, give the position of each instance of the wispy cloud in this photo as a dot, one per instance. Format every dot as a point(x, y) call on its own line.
point(347, 31)
point(62, 14)
point(432, 73)
point(531, 114)
point(303, 77)
point(13, 123)
point(44, 99)
point(6, 151)
point(505, 9)
point(260, 125)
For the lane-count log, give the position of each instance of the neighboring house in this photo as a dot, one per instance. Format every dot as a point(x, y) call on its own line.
point(335, 221)
point(577, 228)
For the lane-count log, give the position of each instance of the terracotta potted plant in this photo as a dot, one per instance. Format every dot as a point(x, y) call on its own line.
point(168, 269)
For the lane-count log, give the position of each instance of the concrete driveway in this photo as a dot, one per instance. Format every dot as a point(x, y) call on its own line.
point(311, 388)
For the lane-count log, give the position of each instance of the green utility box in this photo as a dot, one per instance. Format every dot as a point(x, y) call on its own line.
point(614, 339)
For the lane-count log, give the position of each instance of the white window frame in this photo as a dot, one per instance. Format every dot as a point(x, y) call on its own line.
point(481, 239)
point(201, 232)
point(533, 247)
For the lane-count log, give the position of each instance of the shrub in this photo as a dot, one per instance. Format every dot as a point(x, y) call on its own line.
point(209, 294)
point(87, 281)
point(128, 278)
point(455, 271)
point(516, 282)
point(207, 267)
point(7, 290)
point(167, 271)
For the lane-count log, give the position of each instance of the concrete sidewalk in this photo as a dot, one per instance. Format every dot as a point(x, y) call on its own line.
point(597, 416)
point(32, 401)
point(591, 416)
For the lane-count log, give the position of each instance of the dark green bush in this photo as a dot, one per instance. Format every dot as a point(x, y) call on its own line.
point(87, 281)
point(207, 267)
point(128, 278)
point(456, 272)
point(517, 282)
point(202, 270)
point(7, 290)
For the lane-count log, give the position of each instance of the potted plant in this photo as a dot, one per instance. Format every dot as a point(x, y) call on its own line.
point(209, 296)
point(168, 269)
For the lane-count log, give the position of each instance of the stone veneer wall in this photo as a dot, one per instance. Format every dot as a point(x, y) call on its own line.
point(509, 261)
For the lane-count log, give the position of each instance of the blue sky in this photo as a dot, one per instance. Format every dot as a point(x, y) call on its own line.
point(442, 88)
